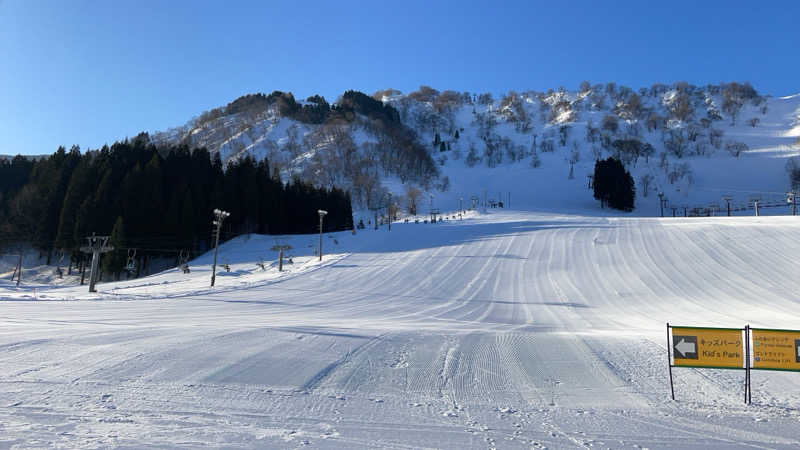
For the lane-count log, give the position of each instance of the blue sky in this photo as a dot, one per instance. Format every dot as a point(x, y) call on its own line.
point(91, 72)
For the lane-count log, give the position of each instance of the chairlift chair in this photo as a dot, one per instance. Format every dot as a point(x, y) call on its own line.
point(130, 266)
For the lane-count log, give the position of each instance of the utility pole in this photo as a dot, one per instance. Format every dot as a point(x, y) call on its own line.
point(390, 210)
point(97, 245)
point(322, 214)
point(728, 204)
point(219, 216)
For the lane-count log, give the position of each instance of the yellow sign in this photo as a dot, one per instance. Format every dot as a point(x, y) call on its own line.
point(776, 349)
point(708, 347)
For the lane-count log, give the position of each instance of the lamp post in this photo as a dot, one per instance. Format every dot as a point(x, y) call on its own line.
point(219, 216)
point(661, 202)
point(389, 210)
point(431, 208)
point(322, 214)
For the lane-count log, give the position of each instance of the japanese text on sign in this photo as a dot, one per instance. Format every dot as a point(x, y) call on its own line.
point(776, 349)
point(708, 347)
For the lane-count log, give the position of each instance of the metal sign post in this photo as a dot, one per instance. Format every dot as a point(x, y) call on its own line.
point(669, 364)
point(700, 347)
point(721, 348)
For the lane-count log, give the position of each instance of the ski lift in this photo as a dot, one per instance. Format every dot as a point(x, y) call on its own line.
point(183, 261)
point(131, 264)
point(58, 270)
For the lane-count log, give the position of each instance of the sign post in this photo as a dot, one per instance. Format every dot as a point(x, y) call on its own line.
point(733, 348)
point(669, 363)
point(703, 347)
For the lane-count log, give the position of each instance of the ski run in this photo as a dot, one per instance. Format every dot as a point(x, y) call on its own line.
point(507, 329)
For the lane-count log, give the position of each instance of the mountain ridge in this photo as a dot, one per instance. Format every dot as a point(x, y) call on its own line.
point(353, 142)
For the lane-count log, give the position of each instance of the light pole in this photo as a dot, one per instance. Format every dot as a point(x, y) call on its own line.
point(322, 214)
point(661, 202)
point(791, 197)
point(389, 210)
point(219, 216)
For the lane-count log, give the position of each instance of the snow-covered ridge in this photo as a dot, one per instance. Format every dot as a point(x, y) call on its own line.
point(723, 138)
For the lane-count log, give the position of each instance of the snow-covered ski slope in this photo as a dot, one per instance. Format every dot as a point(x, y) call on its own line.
point(509, 329)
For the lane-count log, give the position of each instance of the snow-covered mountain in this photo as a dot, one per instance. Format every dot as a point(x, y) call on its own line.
point(696, 144)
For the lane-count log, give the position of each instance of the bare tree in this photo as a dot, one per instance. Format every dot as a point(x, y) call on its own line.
point(675, 142)
point(424, 94)
point(715, 137)
point(736, 148)
point(610, 122)
point(412, 199)
point(653, 121)
point(645, 181)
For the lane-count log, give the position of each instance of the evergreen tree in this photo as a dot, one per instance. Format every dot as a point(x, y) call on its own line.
point(114, 261)
point(613, 185)
point(163, 196)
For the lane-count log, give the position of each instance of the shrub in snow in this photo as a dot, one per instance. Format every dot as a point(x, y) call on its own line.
point(736, 148)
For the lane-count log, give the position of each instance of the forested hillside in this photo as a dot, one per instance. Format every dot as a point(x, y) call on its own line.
point(156, 199)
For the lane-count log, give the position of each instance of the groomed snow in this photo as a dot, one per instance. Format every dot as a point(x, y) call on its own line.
point(509, 329)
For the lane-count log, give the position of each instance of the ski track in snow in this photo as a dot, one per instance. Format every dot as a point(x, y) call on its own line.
point(506, 330)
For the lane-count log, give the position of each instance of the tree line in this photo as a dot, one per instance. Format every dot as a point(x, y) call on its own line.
point(161, 196)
